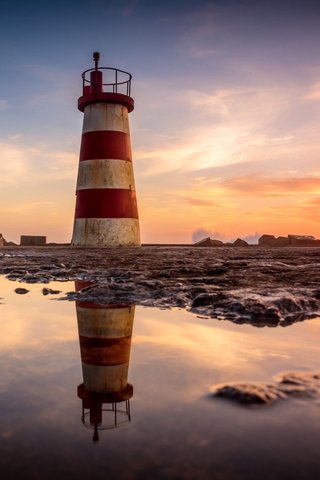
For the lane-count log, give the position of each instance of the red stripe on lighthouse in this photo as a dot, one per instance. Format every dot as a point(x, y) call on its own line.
point(106, 203)
point(101, 306)
point(105, 144)
point(105, 351)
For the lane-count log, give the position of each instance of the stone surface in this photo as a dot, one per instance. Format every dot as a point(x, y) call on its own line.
point(256, 285)
point(21, 291)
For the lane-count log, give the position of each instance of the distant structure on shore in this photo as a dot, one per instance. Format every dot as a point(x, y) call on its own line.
point(4, 243)
point(106, 212)
point(289, 241)
point(33, 240)
point(210, 242)
point(264, 241)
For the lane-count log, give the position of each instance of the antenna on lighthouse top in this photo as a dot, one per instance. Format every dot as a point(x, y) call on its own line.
point(96, 58)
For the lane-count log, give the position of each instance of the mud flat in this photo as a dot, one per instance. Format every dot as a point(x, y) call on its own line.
point(255, 285)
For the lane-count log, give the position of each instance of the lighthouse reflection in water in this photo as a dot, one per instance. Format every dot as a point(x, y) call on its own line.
point(105, 333)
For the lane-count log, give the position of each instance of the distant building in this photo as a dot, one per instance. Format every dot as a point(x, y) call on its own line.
point(33, 241)
point(289, 241)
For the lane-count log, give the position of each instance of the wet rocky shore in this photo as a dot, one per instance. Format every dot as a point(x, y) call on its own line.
point(255, 285)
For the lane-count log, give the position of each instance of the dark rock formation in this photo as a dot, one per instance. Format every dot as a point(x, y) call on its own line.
point(272, 241)
point(22, 291)
point(209, 242)
point(50, 291)
point(297, 384)
point(240, 243)
point(290, 240)
point(249, 394)
point(3, 242)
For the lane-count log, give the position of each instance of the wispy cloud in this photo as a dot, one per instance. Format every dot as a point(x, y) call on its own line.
point(313, 92)
point(130, 8)
point(200, 52)
point(25, 164)
point(194, 201)
point(257, 184)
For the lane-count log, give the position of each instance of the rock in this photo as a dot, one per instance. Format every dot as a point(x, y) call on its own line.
point(296, 384)
point(303, 241)
point(249, 394)
point(3, 242)
point(240, 243)
point(272, 241)
point(290, 240)
point(208, 242)
point(22, 291)
point(204, 299)
point(267, 240)
point(49, 291)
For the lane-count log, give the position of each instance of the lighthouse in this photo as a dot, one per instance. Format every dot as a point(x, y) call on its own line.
point(106, 212)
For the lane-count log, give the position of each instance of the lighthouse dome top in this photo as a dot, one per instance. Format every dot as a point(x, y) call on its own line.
point(105, 84)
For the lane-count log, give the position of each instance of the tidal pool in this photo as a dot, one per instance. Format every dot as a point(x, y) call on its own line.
point(122, 392)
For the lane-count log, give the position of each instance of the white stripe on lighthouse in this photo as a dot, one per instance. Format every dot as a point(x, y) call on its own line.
point(113, 378)
point(106, 231)
point(105, 116)
point(105, 174)
point(105, 323)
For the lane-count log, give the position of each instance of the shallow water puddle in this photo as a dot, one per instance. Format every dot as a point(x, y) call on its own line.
point(74, 372)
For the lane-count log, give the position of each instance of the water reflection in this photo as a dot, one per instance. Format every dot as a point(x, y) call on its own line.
point(105, 333)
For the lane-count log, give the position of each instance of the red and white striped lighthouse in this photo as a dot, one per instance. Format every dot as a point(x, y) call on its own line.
point(106, 212)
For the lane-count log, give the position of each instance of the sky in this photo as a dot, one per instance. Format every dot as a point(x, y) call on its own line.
point(225, 130)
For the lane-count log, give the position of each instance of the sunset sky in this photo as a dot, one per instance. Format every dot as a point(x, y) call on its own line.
point(226, 126)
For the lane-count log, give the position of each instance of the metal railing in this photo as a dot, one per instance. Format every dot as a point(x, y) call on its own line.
point(119, 80)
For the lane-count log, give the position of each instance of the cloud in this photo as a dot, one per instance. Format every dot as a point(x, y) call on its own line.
point(25, 164)
point(200, 52)
point(312, 92)
point(220, 128)
point(194, 201)
point(259, 185)
point(253, 238)
point(197, 150)
point(255, 105)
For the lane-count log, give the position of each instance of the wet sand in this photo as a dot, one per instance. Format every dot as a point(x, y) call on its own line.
point(255, 285)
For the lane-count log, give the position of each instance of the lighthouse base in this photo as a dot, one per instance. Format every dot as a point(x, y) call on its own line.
point(108, 232)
